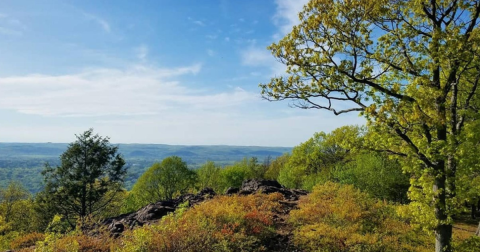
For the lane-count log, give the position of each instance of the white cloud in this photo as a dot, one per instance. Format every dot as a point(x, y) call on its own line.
point(286, 15)
point(197, 22)
point(138, 90)
point(10, 32)
point(11, 26)
point(211, 52)
point(261, 57)
point(142, 52)
point(102, 22)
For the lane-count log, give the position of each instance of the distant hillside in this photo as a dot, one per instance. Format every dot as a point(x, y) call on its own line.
point(25, 161)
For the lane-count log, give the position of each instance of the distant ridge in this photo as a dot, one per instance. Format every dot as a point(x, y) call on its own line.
point(25, 161)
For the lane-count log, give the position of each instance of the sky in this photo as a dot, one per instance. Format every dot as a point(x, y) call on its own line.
point(180, 72)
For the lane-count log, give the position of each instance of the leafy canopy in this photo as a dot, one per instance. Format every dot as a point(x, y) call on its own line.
point(162, 181)
point(411, 68)
point(86, 182)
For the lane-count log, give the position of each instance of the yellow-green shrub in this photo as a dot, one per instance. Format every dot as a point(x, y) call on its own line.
point(26, 240)
point(471, 244)
point(225, 223)
point(338, 217)
point(75, 243)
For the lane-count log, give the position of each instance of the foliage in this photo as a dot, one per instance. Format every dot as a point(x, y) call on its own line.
point(59, 237)
point(209, 175)
point(234, 175)
point(236, 223)
point(7, 238)
point(90, 170)
point(273, 170)
point(162, 181)
point(469, 245)
point(27, 240)
point(10, 200)
point(375, 174)
point(338, 217)
point(25, 161)
point(311, 162)
point(411, 68)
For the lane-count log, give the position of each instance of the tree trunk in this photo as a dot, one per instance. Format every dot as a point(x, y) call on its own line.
point(477, 233)
point(443, 231)
point(474, 211)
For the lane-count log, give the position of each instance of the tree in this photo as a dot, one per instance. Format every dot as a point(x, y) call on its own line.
point(11, 196)
point(276, 165)
point(411, 68)
point(375, 174)
point(312, 161)
point(89, 176)
point(209, 175)
point(161, 182)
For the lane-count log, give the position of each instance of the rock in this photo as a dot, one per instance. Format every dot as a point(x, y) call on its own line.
point(269, 186)
point(232, 190)
point(257, 184)
point(153, 212)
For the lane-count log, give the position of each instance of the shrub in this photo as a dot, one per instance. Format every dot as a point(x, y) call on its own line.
point(27, 240)
point(225, 223)
point(338, 217)
point(471, 244)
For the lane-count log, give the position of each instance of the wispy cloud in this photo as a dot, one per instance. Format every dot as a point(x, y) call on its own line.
point(286, 15)
point(11, 26)
point(141, 52)
point(197, 22)
point(10, 32)
point(261, 57)
point(100, 21)
point(211, 52)
point(138, 90)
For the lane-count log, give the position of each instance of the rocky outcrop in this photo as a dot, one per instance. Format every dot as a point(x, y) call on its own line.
point(153, 212)
point(269, 186)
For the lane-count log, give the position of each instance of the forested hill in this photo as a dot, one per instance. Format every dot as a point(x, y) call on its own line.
point(25, 161)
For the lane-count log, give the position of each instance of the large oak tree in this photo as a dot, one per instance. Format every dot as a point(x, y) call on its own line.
point(410, 67)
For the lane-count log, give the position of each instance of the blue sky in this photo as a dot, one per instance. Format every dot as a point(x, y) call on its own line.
point(148, 71)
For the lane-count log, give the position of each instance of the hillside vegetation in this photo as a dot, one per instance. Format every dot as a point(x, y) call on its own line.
point(25, 161)
point(358, 201)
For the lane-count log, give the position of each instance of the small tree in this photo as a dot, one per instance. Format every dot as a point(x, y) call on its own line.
point(90, 174)
point(209, 175)
point(10, 196)
point(161, 182)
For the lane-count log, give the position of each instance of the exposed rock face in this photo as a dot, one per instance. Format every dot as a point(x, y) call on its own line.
point(153, 212)
point(269, 186)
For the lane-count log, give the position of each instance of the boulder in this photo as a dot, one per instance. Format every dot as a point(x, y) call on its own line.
point(269, 186)
point(153, 212)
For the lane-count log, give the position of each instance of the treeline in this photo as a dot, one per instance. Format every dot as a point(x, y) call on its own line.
point(88, 185)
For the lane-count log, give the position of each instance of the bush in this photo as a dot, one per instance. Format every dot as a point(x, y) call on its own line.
point(26, 241)
point(338, 217)
point(225, 223)
point(471, 244)
point(375, 174)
